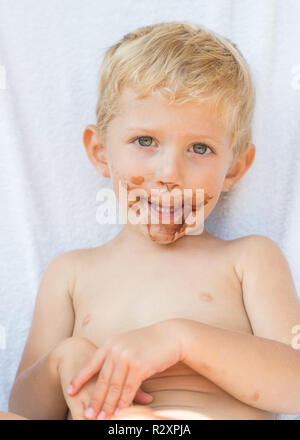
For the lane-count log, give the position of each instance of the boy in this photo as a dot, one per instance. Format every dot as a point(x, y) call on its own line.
point(202, 325)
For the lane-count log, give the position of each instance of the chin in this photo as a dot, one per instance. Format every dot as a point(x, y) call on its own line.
point(157, 235)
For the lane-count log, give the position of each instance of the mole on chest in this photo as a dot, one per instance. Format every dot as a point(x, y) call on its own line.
point(206, 297)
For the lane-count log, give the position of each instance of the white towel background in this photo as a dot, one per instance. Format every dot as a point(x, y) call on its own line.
point(50, 53)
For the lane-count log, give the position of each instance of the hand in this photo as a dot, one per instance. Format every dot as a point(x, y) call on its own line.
point(124, 361)
point(71, 355)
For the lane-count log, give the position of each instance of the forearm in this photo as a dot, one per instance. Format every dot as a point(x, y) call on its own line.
point(259, 372)
point(37, 392)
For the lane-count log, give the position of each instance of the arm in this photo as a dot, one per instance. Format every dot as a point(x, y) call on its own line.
point(36, 392)
point(261, 370)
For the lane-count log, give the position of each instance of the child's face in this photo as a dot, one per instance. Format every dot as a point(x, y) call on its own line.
point(153, 145)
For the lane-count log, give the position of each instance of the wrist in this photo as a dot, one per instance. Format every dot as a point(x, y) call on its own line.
point(71, 344)
point(55, 356)
point(185, 333)
point(178, 328)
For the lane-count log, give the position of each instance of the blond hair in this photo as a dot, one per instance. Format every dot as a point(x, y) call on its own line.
point(185, 62)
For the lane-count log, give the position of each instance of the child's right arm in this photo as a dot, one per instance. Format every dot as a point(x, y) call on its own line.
point(37, 391)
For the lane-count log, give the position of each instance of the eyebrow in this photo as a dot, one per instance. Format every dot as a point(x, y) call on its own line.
point(149, 129)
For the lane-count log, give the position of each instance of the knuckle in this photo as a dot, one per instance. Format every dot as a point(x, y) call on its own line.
point(107, 407)
point(115, 388)
point(123, 402)
point(94, 403)
point(125, 355)
point(102, 380)
point(115, 349)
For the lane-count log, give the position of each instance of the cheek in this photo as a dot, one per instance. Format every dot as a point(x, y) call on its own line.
point(210, 180)
point(127, 179)
point(118, 178)
point(119, 169)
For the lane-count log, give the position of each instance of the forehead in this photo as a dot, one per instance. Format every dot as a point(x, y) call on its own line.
point(155, 111)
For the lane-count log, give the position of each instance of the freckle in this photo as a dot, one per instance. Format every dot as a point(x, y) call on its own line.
point(86, 320)
point(206, 297)
point(137, 180)
point(255, 397)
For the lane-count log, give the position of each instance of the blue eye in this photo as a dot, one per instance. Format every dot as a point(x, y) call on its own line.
point(144, 139)
point(199, 149)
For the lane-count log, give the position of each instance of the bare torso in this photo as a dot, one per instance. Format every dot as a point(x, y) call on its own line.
point(119, 289)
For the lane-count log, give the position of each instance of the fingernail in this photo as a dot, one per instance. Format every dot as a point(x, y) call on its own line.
point(89, 413)
point(101, 415)
point(69, 389)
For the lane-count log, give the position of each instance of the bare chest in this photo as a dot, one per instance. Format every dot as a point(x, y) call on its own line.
point(121, 296)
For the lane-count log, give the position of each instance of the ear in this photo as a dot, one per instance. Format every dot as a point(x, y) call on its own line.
point(95, 149)
point(240, 167)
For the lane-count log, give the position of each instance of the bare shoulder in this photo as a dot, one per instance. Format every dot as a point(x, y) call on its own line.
point(254, 242)
point(78, 258)
point(249, 248)
point(64, 266)
point(269, 292)
point(86, 264)
point(69, 266)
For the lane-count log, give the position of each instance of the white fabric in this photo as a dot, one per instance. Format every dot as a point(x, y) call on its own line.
point(50, 53)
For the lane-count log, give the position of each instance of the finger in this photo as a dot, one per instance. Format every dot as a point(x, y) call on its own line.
point(77, 411)
point(117, 380)
point(142, 398)
point(130, 387)
point(93, 366)
point(100, 389)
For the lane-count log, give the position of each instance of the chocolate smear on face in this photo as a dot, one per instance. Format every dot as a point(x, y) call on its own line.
point(170, 231)
point(137, 180)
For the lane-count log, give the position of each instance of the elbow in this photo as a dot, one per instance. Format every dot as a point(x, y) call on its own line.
point(11, 401)
point(285, 403)
point(12, 407)
point(15, 398)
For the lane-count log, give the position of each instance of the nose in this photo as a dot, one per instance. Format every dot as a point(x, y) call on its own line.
point(169, 171)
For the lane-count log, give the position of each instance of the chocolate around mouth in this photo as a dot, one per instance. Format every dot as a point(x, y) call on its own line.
point(175, 230)
point(190, 207)
point(160, 205)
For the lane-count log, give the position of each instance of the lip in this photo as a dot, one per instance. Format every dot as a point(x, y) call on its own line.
point(171, 215)
point(160, 205)
point(168, 206)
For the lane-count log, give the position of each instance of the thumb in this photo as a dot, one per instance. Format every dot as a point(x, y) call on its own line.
point(142, 397)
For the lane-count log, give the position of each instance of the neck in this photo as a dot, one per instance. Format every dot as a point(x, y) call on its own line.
point(131, 233)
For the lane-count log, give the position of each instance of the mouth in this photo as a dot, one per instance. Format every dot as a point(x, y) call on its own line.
point(165, 213)
point(164, 208)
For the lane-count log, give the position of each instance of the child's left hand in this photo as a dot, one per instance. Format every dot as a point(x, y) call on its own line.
point(124, 361)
